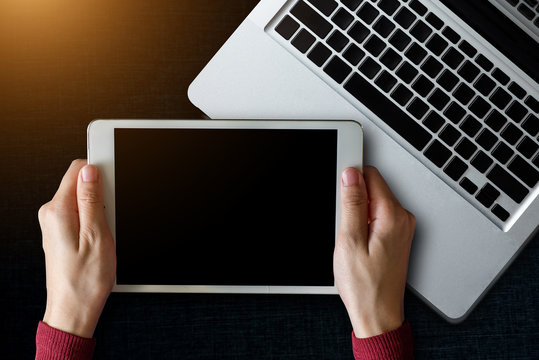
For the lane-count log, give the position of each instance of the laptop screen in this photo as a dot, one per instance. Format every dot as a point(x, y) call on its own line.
point(225, 206)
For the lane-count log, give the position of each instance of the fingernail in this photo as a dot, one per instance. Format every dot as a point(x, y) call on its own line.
point(89, 173)
point(350, 177)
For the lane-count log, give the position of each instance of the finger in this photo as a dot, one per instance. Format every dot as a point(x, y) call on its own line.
point(90, 203)
point(67, 191)
point(354, 205)
point(382, 203)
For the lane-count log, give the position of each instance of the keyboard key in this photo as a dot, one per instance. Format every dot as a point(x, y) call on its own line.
point(303, 41)
point(383, 26)
point(527, 147)
point(399, 40)
point(524, 171)
point(369, 67)
point(438, 99)
point(438, 153)
point(386, 81)
point(469, 71)
point(470, 126)
point(517, 90)
point(465, 148)
point(456, 168)
point(351, 4)
point(500, 76)
point(421, 31)
point(481, 161)
point(479, 107)
point(358, 32)
point(388, 112)
point(468, 185)
point(326, 7)
point(486, 139)
point(287, 27)
point(450, 135)
point(484, 85)
point(433, 121)
point(532, 103)
point(353, 54)
point(337, 41)
point(500, 98)
point(447, 80)
point(435, 21)
point(436, 44)
point(432, 67)
point(502, 152)
point(536, 161)
point(511, 134)
point(406, 72)
point(391, 59)
point(415, 53)
point(319, 54)
point(374, 45)
point(500, 212)
point(487, 195)
point(451, 35)
point(367, 13)
point(467, 48)
point(314, 21)
point(418, 7)
point(495, 120)
point(342, 18)
point(405, 18)
point(516, 111)
point(454, 112)
point(418, 108)
point(401, 95)
point(389, 6)
point(337, 69)
point(452, 58)
point(531, 125)
point(526, 11)
point(422, 85)
point(464, 94)
point(507, 183)
point(485, 63)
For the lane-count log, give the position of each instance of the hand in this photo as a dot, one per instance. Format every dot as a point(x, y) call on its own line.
point(371, 253)
point(80, 255)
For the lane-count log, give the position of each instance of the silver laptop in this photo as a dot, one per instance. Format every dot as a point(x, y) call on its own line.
point(448, 119)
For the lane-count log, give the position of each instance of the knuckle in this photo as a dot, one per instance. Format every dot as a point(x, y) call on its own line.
point(90, 197)
point(89, 233)
point(355, 199)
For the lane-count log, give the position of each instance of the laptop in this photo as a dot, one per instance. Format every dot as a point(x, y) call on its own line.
point(450, 121)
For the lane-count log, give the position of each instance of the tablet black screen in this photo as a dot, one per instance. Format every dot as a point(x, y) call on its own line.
point(225, 207)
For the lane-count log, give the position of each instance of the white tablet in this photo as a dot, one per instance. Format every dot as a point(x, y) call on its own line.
point(233, 206)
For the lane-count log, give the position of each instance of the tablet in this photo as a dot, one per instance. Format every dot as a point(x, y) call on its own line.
point(229, 206)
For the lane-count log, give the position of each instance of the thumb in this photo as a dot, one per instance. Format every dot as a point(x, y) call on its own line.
point(90, 202)
point(354, 205)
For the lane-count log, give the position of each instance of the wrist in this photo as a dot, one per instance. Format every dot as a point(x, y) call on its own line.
point(368, 324)
point(73, 319)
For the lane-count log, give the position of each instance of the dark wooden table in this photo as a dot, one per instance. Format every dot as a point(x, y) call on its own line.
point(64, 63)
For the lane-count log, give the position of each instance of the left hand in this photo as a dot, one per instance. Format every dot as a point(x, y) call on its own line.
point(80, 255)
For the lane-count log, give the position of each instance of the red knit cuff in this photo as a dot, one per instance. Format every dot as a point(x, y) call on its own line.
point(392, 345)
point(55, 344)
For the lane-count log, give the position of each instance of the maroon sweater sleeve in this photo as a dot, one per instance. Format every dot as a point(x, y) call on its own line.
point(393, 345)
point(55, 344)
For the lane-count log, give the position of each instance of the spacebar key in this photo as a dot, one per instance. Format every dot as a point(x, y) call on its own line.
point(388, 112)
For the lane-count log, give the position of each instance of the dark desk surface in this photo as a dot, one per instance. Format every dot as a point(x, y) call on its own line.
point(64, 63)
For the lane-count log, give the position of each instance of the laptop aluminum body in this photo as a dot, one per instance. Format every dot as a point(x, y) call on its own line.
point(460, 249)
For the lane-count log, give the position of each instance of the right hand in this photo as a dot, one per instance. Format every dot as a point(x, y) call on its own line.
point(371, 253)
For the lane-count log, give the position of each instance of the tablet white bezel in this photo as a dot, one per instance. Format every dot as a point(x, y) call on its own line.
point(101, 153)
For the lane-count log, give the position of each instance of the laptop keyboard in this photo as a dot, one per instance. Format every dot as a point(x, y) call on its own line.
point(466, 116)
point(529, 9)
